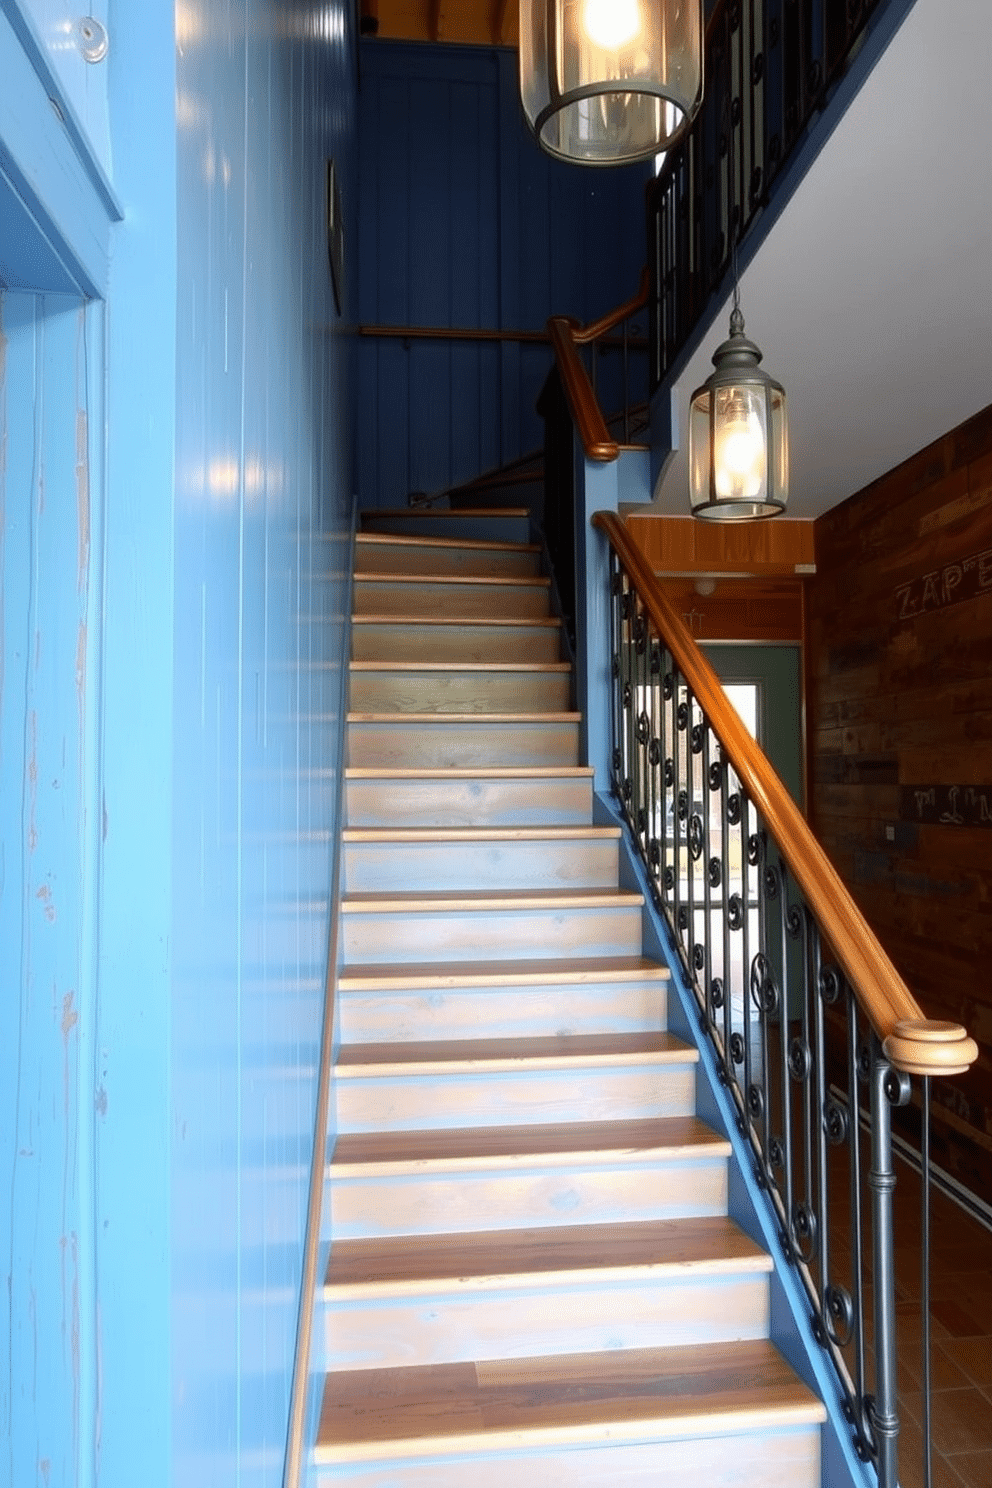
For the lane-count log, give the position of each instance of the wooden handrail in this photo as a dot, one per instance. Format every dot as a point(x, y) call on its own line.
point(911, 1041)
point(586, 413)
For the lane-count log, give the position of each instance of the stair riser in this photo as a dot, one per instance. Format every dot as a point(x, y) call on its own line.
point(527, 1322)
point(388, 938)
point(768, 1458)
point(540, 864)
point(382, 641)
point(498, 528)
point(526, 1197)
point(414, 691)
point(435, 597)
point(504, 1012)
point(426, 558)
point(542, 1097)
point(475, 802)
point(461, 744)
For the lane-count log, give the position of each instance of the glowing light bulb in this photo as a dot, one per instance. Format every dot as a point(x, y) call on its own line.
point(611, 24)
point(739, 449)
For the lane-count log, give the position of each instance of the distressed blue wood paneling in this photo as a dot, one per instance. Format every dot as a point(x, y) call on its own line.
point(263, 503)
point(176, 507)
point(464, 223)
point(49, 600)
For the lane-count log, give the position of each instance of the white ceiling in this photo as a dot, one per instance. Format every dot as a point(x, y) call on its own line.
point(871, 297)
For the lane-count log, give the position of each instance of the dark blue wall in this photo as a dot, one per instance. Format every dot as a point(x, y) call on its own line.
point(463, 222)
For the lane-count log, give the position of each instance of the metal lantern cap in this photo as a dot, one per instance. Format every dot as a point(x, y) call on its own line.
point(607, 82)
point(738, 437)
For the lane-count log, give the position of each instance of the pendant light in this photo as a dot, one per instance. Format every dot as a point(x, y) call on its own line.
point(738, 436)
point(605, 82)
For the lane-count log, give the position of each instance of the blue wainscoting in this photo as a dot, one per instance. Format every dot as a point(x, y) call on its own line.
point(176, 501)
point(465, 223)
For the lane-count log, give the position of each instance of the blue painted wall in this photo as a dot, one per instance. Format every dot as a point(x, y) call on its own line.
point(176, 487)
point(463, 222)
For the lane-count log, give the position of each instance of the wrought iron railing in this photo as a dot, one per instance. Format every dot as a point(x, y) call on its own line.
point(815, 1034)
point(770, 66)
point(570, 403)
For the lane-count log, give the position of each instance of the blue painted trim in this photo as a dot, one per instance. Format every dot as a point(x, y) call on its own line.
point(791, 1320)
point(597, 488)
point(91, 842)
point(311, 1364)
point(24, 29)
point(47, 173)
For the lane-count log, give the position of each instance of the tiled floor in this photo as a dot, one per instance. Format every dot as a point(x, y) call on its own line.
point(961, 1341)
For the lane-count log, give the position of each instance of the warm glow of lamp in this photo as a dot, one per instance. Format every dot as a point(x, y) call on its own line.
point(739, 447)
point(738, 436)
point(611, 23)
point(604, 82)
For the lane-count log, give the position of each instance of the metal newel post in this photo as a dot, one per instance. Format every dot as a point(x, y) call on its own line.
point(888, 1088)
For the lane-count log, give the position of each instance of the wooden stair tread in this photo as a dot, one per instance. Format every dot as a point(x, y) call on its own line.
point(472, 772)
point(659, 1138)
point(523, 581)
point(461, 666)
point(522, 622)
point(476, 719)
point(707, 1244)
point(482, 899)
point(569, 1051)
point(408, 539)
point(480, 834)
point(519, 972)
point(573, 1397)
point(388, 512)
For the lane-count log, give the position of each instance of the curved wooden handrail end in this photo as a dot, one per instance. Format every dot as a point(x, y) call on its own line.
point(927, 1047)
point(913, 1042)
point(585, 410)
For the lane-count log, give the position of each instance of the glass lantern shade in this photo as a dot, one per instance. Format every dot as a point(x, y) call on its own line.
point(604, 82)
point(738, 437)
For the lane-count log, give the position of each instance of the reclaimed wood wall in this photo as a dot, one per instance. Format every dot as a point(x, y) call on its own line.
point(899, 668)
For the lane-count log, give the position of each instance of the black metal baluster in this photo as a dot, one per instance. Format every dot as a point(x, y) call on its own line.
point(857, 1230)
point(786, 1154)
point(888, 1087)
point(925, 1288)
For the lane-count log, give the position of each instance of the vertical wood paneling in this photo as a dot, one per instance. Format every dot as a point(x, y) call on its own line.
point(49, 595)
point(901, 696)
point(171, 633)
point(494, 235)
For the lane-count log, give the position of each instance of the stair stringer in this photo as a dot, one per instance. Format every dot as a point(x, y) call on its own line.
point(791, 1327)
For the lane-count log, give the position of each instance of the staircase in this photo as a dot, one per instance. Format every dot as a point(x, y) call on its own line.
point(532, 1278)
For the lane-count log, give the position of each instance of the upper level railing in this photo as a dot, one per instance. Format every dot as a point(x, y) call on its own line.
point(770, 67)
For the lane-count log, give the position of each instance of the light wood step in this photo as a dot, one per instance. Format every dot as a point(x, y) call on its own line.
point(514, 1000)
point(434, 1299)
point(470, 687)
point(413, 638)
point(519, 796)
point(471, 598)
point(507, 524)
point(377, 552)
point(524, 1177)
point(710, 1399)
point(480, 857)
point(462, 1083)
point(485, 927)
point(463, 741)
